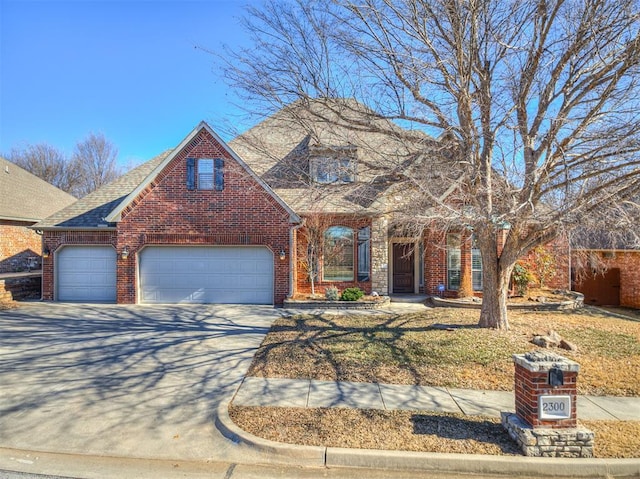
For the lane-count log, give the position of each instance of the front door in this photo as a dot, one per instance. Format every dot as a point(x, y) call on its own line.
point(403, 268)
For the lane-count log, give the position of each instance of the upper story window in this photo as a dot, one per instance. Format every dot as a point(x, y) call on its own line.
point(333, 170)
point(205, 174)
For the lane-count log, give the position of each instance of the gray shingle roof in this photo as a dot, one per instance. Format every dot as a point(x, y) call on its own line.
point(279, 149)
point(26, 197)
point(89, 212)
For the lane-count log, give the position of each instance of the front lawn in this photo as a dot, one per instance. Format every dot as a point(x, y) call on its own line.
point(443, 347)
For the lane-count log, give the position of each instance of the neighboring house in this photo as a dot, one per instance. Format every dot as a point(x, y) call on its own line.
point(605, 269)
point(25, 200)
point(210, 222)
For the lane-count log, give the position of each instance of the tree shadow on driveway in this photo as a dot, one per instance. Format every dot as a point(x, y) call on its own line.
point(115, 379)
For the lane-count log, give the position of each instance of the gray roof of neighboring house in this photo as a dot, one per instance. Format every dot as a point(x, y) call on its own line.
point(25, 197)
point(90, 211)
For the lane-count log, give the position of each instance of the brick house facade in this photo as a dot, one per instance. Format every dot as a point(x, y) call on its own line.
point(156, 236)
point(616, 283)
point(159, 210)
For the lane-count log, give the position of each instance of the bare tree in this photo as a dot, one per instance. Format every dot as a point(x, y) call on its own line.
point(95, 157)
point(92, 164)
point(312, 236)
point(535, 104)
point(47, 163)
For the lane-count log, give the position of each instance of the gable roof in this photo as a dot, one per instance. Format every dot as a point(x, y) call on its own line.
point(280, 149)
point(90, 212)
point(25, 197)
point(114, 215)
point(102, 208)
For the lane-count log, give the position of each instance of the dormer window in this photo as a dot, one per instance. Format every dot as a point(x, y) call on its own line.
point(327, 170)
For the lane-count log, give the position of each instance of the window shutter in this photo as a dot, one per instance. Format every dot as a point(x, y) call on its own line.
point(218, 171)
point(191, 173)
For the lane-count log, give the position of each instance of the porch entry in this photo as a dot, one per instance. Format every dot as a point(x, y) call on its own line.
point(404, 272)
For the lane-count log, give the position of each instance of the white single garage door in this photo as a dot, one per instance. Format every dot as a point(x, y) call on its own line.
point(206, 274)
point(86, 273)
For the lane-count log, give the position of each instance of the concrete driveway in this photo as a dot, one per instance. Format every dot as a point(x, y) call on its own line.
point(130, 381)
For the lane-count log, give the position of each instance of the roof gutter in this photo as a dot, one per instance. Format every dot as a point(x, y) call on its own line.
point(62, 228)
point(15, 218)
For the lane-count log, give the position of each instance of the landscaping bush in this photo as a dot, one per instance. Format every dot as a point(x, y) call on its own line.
point(521, 278)
point(351, 294)
point(331, 293)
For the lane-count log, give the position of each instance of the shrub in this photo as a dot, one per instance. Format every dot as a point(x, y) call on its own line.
point(351, 294)
point(331, 293)
point(522, 278)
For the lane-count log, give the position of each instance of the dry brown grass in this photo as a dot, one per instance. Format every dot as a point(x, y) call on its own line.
point(411, 349)
point(412, 431)
point(376, 429)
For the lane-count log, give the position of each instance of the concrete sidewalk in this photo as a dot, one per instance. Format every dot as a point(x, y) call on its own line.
point(256, 391)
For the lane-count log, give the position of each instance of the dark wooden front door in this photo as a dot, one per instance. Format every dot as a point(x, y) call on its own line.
point(403, 268)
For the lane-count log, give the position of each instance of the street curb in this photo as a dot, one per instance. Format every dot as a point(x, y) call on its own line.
point(283, 453)
point(319, 456)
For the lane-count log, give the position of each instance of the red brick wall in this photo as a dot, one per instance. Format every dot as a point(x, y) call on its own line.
point(54, 240)
point(559, 249)
point(17, 245)
point(530, 385)
point(242, 210)
point(435, 261)
point(303, 285)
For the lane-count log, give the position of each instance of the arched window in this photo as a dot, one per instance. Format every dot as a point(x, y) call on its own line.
point(338, 254)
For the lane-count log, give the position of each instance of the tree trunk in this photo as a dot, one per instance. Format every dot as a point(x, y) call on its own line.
point(494, 298)
point(496, 274)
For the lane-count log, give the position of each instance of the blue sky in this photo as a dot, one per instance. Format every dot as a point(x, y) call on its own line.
point(129, 69)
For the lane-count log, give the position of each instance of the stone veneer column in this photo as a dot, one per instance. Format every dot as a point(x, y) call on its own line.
point(380, 256)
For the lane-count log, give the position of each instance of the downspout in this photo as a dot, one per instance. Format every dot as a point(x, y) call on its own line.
point(41, 234)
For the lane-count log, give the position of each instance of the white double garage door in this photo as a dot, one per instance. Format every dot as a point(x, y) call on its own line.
point(170, 274)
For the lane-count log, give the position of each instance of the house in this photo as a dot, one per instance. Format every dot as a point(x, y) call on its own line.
point(25, 200)
point(194, 224)
point(211, 222)
point(605, 269)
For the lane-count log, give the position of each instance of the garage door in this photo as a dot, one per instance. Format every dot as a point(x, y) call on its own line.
point(86, 273)
point(206, 274)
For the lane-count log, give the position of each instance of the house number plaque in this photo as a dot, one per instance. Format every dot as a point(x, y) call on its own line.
point(553, 408)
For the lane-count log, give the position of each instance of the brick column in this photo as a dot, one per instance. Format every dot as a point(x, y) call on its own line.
point(532, 381)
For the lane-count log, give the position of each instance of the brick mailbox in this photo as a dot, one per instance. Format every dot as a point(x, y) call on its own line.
point(545, 389)
point(545, 422)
